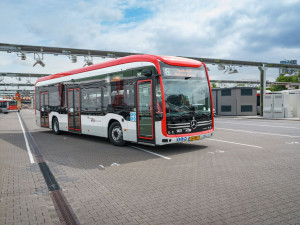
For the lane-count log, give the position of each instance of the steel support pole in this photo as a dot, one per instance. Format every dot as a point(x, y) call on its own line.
point(263, 81)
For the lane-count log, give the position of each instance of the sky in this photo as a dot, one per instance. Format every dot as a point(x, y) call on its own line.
point(250, 30)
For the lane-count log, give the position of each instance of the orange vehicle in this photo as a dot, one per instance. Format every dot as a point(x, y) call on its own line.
point(18, 99)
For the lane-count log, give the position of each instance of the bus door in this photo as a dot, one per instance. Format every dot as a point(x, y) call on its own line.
point(44, 109)
point(74, 122)
point(144, 113)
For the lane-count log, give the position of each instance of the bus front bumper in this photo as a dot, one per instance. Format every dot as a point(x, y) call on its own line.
point(191, 138)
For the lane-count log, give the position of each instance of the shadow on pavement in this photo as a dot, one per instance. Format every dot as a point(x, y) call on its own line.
point(89, 152)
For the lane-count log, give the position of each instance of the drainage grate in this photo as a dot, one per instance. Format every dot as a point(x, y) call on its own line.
point(48, 176)
point(63, 209)
point(61, 205)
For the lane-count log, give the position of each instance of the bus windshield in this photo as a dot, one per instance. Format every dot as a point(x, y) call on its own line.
point(186, 91)
point(13, 103)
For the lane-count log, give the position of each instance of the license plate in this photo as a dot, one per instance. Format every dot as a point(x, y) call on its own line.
point(195, 138)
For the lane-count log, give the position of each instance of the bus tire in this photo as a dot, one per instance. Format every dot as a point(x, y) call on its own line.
point(55, 126)
point(115, 134)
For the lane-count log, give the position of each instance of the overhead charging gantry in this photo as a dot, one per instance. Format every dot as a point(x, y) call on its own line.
point(224, 64)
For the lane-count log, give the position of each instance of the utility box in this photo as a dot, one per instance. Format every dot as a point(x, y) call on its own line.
point(268, 106)
point(284, 105)
point(278, 106)
point(273, 106)
point(293, 106)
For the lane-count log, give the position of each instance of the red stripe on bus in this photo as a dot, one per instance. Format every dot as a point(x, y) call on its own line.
point(175, 61)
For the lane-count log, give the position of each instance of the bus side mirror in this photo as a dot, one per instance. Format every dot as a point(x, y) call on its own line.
point(147, 72)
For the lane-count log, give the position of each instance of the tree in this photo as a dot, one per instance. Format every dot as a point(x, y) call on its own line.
point(282, 78)
point(240, 85)
point(213, 85)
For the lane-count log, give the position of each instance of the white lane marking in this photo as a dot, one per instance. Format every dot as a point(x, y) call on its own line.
point(293, 142)
point(153, 153)
point(261, 121)
point(283, 135)
point(26, 141)
point(220, 151)
point(101, 167)
point(230, 142)
point(258, 125)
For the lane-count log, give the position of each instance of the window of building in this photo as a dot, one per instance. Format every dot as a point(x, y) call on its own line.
point(226, 92)
point(246, 92)
point(246, 108)
point(226, 108)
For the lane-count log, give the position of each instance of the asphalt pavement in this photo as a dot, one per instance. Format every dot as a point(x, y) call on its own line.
point(247, 173)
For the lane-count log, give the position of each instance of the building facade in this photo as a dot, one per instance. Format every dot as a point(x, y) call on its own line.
point(237, 101)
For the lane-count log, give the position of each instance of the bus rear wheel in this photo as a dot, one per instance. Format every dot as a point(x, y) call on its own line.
point(115, 134)
point(55, 126)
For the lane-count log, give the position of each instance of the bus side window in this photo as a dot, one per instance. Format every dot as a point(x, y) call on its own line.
point(104, 98)
point(129, 95)
point(91, 100)
point(54, 98)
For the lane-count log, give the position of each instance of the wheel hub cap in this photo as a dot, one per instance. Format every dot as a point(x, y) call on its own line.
point(117, 134)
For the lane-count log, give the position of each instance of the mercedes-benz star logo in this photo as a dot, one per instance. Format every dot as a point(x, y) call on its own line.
point(193, 124)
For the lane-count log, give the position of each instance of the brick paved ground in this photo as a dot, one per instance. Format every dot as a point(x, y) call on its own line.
point(23, 193)
point(209, 182)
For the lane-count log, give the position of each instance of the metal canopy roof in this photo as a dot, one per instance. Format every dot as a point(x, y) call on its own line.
point(244, 63)
point(254, 82)
point(100, 53)
point(16, 84)
point(22, 74)
point(61, 51)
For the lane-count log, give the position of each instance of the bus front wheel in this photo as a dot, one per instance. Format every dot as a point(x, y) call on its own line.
point(115, 134)
point(55, 126)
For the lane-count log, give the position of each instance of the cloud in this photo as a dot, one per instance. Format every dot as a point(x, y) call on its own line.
point(244, 30)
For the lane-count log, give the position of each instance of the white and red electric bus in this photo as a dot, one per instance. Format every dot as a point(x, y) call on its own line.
point(12, 105)
point(146, 99)
point(3, 105)
point(8, 105)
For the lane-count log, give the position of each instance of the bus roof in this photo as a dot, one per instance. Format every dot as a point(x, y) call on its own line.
point(171, 60)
